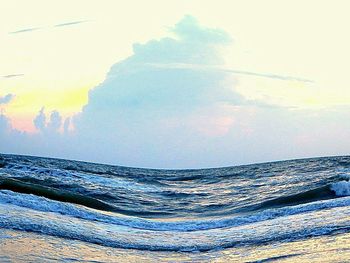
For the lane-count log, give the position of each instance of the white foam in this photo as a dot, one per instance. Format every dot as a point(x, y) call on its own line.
point(341, 188)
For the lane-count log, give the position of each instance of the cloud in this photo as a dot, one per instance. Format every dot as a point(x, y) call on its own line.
point(12, 76)
point(52, 126)
point(139, 83)
point(4, 123)
point(189, 30)
point(171, 100)
point(40, 120)
point(6, 99)
point(66, 125)
point(192, 44)
point(71, 23)
point(55, 122)
point(26, 30)
point(272, 76)
point(173, 104)
point(148, 106)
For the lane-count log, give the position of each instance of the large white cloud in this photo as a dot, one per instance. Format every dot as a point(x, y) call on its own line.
point(165, 77)
point(167, 97)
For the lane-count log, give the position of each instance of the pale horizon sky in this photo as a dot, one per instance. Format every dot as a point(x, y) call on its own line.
point(175, 84)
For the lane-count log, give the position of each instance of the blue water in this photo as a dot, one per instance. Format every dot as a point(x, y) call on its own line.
point(171, 215)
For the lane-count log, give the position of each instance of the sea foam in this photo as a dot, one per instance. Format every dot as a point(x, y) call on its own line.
point(341, 188)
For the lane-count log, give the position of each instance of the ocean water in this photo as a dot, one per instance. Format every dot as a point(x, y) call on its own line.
point(68, 211)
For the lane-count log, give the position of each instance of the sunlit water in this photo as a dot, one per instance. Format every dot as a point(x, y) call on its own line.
point(68, 211)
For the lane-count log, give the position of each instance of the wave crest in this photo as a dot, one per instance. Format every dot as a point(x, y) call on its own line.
point(341, 188)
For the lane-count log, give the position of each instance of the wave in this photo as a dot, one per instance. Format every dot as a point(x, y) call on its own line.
point(310, 224)
point(345, 163)
point(50, 193)
point(209, 209)
point(46, 205)
point(36, 187)
point(317, 194)
point(18, 186)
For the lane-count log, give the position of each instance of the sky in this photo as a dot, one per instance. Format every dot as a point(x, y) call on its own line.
point(175, 84)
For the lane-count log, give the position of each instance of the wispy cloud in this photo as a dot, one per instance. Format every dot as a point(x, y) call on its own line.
point(71, 23)
point(25, 30)
point(267, 75)
point(12, 76)
point(243, 72)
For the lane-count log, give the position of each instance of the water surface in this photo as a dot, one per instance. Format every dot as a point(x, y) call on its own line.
point(60, 210)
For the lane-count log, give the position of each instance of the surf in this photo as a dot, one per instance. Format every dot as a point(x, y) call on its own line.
point(185, 210)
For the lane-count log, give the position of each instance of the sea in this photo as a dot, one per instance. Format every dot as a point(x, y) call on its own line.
point(55, 210)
